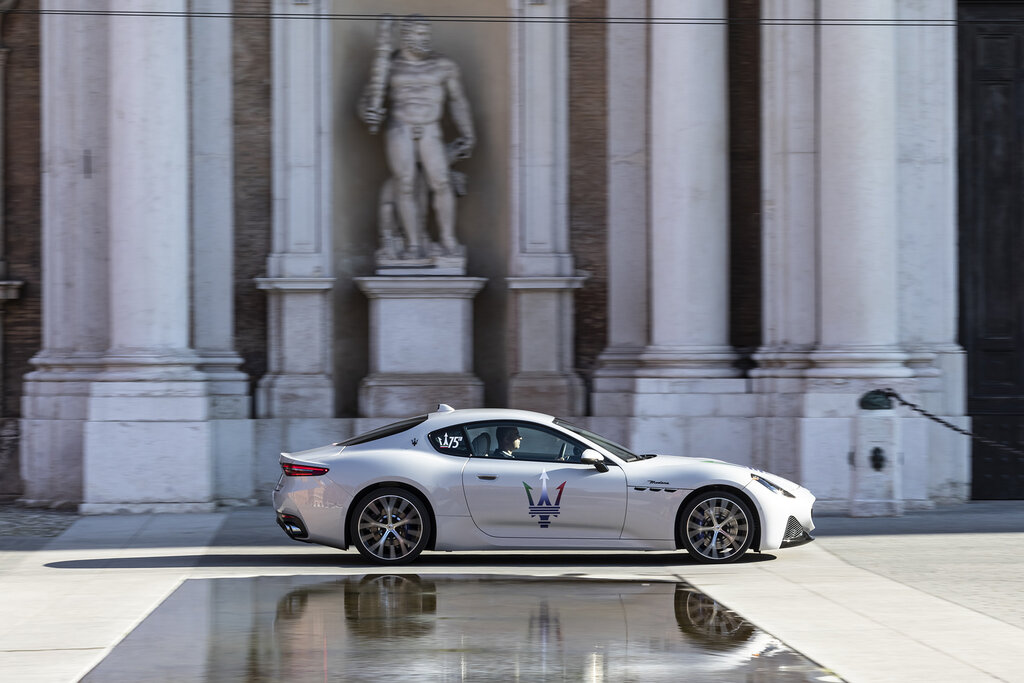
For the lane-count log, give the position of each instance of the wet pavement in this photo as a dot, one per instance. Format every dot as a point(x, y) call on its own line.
point(935, 596)
point(387, 627)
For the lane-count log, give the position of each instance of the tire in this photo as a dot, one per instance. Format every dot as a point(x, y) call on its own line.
point(716, 527)
point(390, 526)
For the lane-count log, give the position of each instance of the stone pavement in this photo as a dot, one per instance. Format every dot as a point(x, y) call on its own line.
point(932, 596)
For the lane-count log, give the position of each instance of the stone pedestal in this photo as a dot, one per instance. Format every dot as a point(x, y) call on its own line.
point(544, 379)
point(877, 465)
point(421, 345)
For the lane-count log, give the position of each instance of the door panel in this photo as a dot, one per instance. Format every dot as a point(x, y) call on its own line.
point(991, 142)
point(544, 500)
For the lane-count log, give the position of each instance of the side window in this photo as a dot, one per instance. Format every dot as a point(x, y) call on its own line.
point(521, 441)
point(450, 441)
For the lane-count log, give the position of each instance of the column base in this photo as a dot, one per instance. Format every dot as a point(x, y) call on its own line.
point(405, 394)
point(148, 443)
point(858, 362)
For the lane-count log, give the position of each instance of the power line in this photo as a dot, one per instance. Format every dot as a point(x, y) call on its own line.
point(490, 19)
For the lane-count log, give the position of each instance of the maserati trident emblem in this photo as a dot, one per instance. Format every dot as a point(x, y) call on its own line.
point(544, 509)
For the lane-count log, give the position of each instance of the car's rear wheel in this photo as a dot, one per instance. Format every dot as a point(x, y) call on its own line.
point(390, 526)
point(716, 527)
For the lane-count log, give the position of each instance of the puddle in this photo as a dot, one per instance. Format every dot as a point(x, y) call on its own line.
point(389, 627)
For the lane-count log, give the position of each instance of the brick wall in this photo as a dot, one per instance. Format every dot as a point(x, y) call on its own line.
point(745, 171)
point(22, 219)
point(252, 181)
point(588, 162)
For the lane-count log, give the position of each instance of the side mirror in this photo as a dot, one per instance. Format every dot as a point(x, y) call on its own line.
point(592, 457)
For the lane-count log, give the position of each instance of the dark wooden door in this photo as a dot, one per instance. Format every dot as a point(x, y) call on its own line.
point(991, 142)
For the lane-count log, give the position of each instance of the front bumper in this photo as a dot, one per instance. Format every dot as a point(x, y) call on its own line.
point(795, 534)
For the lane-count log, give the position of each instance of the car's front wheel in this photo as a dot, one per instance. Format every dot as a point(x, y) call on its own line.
point(716, 527)
point(390, 526)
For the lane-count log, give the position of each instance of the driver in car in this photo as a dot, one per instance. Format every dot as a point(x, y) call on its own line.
point(509, 440)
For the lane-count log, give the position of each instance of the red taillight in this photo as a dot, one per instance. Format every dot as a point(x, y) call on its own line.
point(293, 470)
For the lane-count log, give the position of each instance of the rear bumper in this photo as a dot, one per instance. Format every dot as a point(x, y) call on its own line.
point(293, 526)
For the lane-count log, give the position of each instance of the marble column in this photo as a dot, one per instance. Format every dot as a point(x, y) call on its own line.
point(299, 282)
point(75, 184)
point(937, 459)
point(628, 208)
point(212, 250)
point(789, 193)
point(212, 209)
point(148, 440)
point(668, 227)
point(859, 331)
point(543, 274)
point(688, 176)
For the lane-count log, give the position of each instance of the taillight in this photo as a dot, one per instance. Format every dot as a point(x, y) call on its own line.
point(293, 470)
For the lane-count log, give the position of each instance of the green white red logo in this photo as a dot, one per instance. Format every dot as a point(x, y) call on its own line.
point(544, 508)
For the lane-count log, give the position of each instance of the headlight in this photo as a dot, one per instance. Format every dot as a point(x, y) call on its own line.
point(770, 486)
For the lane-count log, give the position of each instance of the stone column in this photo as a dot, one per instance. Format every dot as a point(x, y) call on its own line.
point(859, 334)
point(689, 193)
point(212, 208)
point(299, 280)
point(937, 459)
point(147, 441)
point(75, 183)
point(789, 242)
point(212, 253)
point(789, 190)
point(543, 277)
point(668, 216)
point(628, 209)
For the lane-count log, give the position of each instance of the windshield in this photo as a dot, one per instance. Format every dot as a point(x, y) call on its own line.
point(616, 449)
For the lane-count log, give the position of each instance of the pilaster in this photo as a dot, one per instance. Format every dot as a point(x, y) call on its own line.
point(300, 280)
point(544, 277)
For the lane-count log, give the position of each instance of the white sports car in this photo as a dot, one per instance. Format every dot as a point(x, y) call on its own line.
point(496, 479)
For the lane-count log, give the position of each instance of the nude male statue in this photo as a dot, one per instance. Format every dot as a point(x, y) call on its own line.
point(415, 82)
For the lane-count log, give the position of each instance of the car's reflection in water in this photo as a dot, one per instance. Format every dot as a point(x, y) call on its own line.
point(405, 627)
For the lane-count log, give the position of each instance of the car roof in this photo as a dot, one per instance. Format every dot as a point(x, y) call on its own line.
point(449, 417)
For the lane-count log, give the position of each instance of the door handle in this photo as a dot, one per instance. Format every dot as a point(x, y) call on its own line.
point(487, 477)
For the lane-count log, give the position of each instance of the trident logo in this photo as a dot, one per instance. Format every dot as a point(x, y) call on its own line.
point(544, 508)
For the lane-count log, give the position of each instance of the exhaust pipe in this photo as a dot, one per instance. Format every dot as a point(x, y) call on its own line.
point(293, 526)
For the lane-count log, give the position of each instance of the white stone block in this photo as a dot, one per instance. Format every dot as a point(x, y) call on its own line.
point(145, 464)
point(824, 446)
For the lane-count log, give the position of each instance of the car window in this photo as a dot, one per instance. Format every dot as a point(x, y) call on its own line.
point(521, 441)
point(386, 430)
point(450, 441)
point(608, 444)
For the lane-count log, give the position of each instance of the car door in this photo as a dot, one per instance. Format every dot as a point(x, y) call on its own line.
point(542, 491)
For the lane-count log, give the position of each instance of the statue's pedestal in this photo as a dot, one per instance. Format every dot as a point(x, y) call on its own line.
point(421, 344)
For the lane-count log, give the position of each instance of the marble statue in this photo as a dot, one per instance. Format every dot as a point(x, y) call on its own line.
point(407, 94)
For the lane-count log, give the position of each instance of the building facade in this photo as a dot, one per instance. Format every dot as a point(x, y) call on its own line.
point(701, 227)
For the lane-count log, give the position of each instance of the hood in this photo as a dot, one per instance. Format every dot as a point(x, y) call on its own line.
point(675, 471)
